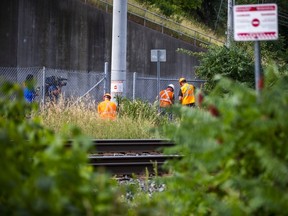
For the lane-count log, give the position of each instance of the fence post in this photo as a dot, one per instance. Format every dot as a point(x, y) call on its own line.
point(43, 85)
point(105, 76)
point(134, 85)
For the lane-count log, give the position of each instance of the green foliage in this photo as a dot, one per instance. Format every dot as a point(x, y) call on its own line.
point(191, 53)
point(271, 51)
point(213, 13)
point(272, 75)
point(235, 163)
point(173, 7)
point(39, 175)
point(139, 109)
point(237, 62)
point(234, 63)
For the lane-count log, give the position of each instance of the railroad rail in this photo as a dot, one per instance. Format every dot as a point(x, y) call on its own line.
point(128, 145)
point(147, 155)
point(127, 165)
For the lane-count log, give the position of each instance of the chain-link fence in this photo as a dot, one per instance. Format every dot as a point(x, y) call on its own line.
point(146, 88)
point(75, 84)
point(18, 75)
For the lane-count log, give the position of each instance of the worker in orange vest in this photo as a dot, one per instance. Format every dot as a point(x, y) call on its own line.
point(186, 93)
point(107, 109)
point(166, 100)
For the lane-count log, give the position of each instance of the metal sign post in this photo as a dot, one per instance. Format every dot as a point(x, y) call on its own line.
point(259, 77)
point(158, 71)
point(255, 23)
point(158, 55)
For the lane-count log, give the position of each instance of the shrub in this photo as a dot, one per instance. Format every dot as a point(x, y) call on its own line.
point(141, 110)
point(39, 175)
point(234, 154)
point(235, 162)
point(234, 63)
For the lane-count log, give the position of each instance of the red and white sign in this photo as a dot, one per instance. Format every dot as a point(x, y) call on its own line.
point(117, 86)
point(255, 22)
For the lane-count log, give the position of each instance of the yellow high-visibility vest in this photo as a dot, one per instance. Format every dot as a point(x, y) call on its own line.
point(188, 94)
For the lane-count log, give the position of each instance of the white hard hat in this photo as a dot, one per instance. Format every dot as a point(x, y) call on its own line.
point(171, 85)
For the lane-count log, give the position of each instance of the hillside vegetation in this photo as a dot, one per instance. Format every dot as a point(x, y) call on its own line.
point(204, 20)
point(213, 13)
point(176, 25)
point(181, 19)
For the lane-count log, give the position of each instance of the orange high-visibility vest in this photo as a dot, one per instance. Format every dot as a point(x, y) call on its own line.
point(188, 94)
point(107, 110)
point(166, 98)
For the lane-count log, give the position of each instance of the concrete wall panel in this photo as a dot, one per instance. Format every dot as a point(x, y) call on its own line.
point(69, 34)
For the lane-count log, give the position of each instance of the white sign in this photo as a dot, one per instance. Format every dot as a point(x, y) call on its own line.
point(154, 55)
point(117, 86)
point(255, 22)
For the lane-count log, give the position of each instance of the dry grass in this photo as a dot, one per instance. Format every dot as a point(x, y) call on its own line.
point(84, 116)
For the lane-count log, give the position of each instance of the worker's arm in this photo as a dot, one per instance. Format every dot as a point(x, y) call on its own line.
point(99, 108)
point(180, 96)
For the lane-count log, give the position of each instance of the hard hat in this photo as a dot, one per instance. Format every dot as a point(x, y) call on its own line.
point(171, 85)
point(107, 95)
point(182, 79)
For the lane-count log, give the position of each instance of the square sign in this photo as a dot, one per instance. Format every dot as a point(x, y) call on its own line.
point(117, 86)
point(154, 55)
point(255, 22)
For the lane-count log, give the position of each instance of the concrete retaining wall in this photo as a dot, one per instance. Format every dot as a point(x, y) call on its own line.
point(71, 35)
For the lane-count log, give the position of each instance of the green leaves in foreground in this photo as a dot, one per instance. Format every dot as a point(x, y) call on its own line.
point(235, 163)
point(39, 176)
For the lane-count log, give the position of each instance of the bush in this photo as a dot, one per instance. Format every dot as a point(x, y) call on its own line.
point(234, 63)
point(234, 153)
point(39, 175)
point(141, 110)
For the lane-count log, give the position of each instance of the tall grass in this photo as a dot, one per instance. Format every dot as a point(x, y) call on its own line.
point(136, 120)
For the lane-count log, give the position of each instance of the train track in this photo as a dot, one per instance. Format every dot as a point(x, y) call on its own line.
point(126, 157)
point(128, 145)
point(128, 165)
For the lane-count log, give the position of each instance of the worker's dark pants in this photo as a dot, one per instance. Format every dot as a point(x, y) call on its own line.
point(166, 111)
